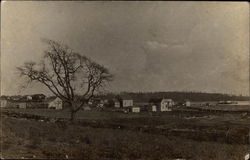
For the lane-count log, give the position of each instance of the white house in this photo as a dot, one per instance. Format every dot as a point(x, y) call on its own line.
point(117, 104)
point(247, 157)
point(127, 102)
point(56, 103)
point(187, 103)
point(166, 105)
point(136, 109)
point(29, 97)
point(154, 108)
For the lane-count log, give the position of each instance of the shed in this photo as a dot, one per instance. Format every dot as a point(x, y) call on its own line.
point(154, 108)
point(117, 103)
point(187, 103)
point(136, 109)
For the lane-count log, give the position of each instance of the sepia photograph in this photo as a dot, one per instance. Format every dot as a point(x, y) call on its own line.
point(125, 80)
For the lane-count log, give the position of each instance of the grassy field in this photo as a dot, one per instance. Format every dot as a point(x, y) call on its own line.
point(102, 134)
point(226, 107)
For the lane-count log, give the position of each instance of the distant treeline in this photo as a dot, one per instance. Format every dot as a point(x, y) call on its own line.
point(176, 96)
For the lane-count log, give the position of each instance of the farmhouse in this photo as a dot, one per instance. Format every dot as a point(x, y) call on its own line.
point(127, 103)
point(55, 103)
point(29, 97)
point(166, 105)
point(97, 102)
point(161, 104)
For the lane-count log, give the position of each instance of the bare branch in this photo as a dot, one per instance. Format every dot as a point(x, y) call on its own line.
point(66, 73)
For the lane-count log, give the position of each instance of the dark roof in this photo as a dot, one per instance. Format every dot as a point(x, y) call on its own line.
point(3, 98)
point(155, 100)
point(126, 97)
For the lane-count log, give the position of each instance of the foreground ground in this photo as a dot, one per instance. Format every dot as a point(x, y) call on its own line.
point(100, 134)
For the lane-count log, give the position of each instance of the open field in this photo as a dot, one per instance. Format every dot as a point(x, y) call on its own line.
point(224, 107)
point(105, 134)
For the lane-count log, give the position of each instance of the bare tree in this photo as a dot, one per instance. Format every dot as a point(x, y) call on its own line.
point(70, 76)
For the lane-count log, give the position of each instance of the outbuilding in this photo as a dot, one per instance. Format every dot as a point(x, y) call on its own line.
point(187, 103)
point(154, 108)
point(136, 109)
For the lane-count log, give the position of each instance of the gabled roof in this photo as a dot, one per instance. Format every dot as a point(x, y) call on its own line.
point(159, 100)
point(50, 99)
point(155, 100)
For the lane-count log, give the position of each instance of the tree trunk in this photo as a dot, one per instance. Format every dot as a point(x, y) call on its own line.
point(72, 116)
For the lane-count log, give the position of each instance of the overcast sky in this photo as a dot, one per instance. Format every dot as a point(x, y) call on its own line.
point(148, 46)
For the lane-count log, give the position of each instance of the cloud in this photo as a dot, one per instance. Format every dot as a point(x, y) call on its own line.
point(156, 45)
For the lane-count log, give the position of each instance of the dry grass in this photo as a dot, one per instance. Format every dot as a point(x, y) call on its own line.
point(29, 139)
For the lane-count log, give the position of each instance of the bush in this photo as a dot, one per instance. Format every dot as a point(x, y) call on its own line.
point(85, 140)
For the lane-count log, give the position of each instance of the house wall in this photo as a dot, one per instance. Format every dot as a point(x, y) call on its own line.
point(37, 105)
point(117, 104)
point(21, 105)
point(165, 105)
point(127, 103)
point(188, 103)
point(242, 103)
point(3, 103)
point(136, 109)
point(12, 104)
point(154, 108)
point(57, 104)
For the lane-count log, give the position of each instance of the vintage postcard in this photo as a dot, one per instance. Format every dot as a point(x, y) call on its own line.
point(148, 80)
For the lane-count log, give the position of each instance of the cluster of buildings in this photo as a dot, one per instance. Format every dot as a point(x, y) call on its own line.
point(155, 105)
point(124, 104)
point(31, 101)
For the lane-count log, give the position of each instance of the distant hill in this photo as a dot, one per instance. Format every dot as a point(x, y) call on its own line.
point(177, 96)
